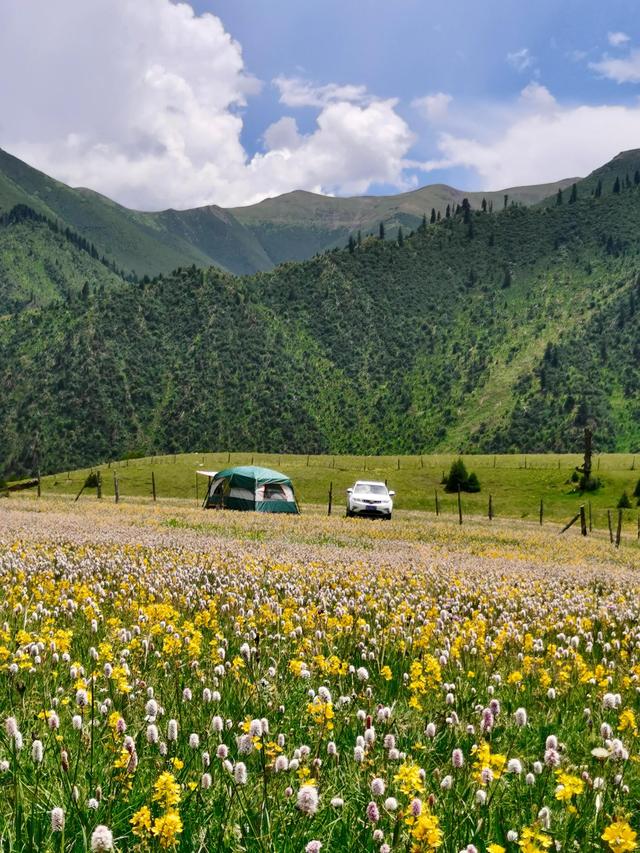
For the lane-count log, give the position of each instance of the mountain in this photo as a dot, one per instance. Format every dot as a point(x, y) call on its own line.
point(299, 224)
point(494, 332)
point(241, 240)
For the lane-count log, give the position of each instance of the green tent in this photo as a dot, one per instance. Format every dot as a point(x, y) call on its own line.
point(249, 487)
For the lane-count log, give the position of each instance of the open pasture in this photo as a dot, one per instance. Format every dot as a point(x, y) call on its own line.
point(516, 483)
point(171, 680)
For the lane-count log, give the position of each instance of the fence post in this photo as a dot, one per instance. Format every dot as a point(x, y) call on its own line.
point(583, 521)
point(541, 511)
point(99, 486)
point(619, 530)
point(197, 501)
point(398, 463)
point(330, 497)
point(116, 488)
point(39, 488)
point(490, 508)
point(610, 526)
point(437, 504)
point(573, 521)
point(459, 504)
point(153, 486)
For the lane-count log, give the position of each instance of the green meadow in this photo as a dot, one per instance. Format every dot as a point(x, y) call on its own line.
point(516, 483)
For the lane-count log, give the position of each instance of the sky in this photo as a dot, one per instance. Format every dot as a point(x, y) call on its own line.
point(159, 104)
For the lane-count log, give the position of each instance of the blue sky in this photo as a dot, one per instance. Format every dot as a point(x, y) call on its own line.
point(407, 48)
point(158, 103)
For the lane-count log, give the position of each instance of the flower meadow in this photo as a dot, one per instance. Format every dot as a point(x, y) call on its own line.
point(312, 684)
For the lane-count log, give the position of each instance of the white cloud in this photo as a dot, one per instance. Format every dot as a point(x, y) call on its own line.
point(433, 107)
point(296, 92)
point(539, 140)
point(623, 70)
point(617, 39)
point(143, 102)
point(352, 146)
point(520, 59)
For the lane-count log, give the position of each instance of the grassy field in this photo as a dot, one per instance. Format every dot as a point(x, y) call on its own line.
point(242, 683)
point(516, 483)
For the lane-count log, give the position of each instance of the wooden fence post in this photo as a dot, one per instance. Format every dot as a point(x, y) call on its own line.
point(490, 508)
point(116, 488)
point(610, 526)
point(583, 521)
point(437, 504)
point(39, 488)
point(573, 521)
point(330, 497)
point(398, 463)
point(619, 530)
point(99, 486)
point(459, 504)
point(197, 500)
point(541, 511)
point(153, 486)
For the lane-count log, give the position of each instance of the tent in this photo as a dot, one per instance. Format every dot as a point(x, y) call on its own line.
point(249, 487)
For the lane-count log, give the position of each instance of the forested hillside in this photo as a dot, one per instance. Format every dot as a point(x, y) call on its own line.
point(241, 240)
point(483, 331)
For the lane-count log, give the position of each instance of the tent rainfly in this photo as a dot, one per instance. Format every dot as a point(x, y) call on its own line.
point(249, 487)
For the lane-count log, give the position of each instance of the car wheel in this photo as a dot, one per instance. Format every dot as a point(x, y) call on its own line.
point(349, 514)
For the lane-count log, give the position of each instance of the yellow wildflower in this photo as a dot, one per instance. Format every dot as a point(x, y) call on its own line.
point(620, 837)
point(166, 828)
point(427, 833)
point(166, 791)
point(141, 821)
point(568, 786)
point(408, 779)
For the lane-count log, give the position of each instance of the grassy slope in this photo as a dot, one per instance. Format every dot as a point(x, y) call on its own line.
point(296, 225)
point(516, 490)
point(38, 266)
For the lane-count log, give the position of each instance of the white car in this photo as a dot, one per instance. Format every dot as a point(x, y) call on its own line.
point(369, 498)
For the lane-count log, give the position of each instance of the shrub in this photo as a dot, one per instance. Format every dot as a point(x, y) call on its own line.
point(589, 485)
point(624, 502)
point(460, 477)
point(636, 491)
point(473, 484)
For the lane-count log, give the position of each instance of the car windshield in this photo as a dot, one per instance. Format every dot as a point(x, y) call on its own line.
point(370, 488)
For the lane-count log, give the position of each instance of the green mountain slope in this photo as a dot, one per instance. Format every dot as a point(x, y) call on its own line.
point(485, 331)
point(40, 264)
point(245, 240)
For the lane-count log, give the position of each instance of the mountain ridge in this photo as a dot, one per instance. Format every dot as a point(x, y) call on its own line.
point(241, 240)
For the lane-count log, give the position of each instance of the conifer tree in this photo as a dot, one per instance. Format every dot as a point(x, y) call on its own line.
point(447, 214)
point(559, 197)
point(484, 205)
point(400, 237)
point(433, 215)
point(616, 186)
point(381, 231)
point(573, 198)
point(598, 190)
